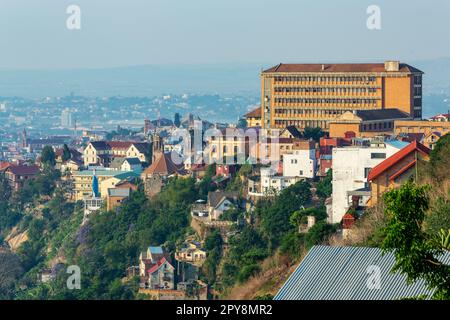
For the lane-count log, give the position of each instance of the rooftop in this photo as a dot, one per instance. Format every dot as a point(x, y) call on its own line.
point(338, 68)
point(163, 165)
point(382, 114)
point(396, 157)
point(255, 113)
point(105, 173)
point(23, 170)
point(342, 273)
point(119, 192)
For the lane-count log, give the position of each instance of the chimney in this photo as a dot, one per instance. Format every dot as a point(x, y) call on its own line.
point(323, 67)
point(392, 65)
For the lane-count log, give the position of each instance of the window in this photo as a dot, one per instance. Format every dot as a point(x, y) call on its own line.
point(301, 172)
point(377, 155)
point(366, 172)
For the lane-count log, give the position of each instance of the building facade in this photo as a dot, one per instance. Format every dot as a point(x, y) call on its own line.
point(302, 162)
point(351, 167)
point(310, 95)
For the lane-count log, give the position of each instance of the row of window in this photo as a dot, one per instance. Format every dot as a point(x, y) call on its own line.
point(325, 79)
point(301, 123)
point(225, 149)
point(322, 100)
point(310, 112)
point(326, 90)
point(377, 126)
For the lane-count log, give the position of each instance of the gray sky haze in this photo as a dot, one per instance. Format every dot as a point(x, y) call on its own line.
point(113, 33)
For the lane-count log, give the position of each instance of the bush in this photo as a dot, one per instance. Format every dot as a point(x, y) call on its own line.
point(247, 271)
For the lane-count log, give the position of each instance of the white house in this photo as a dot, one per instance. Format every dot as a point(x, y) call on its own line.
point(161, 275)
point(221, 201)
point(273, 184)
point(131, 164)
point(302, 163)
point(351, 166)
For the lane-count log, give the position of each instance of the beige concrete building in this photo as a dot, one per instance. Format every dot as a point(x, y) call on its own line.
point(311, 95)
point(106, 179)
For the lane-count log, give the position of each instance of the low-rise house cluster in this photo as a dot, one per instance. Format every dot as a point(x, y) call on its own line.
point(191, 252)
point(155, 269)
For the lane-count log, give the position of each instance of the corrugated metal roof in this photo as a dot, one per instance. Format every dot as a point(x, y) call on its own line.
point(119, 192)
point(343, 273)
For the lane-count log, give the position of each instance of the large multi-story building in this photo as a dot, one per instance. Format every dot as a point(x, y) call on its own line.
point(311, 95)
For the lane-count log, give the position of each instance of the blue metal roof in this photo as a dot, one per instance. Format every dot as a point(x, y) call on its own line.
point(343, 273)
point(155, 250)
point(397, 144)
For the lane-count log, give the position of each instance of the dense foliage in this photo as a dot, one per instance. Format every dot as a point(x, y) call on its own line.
point(416, 251)
point(324, 186)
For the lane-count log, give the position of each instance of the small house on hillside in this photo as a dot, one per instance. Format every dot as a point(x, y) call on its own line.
point(220, 201)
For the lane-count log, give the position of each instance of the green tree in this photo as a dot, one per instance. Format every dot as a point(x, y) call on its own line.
point(213, 246)
point(10, 270)
point(416, 252)
point(48, 156)
point(314, 133)
point(324, 186)
point(275, 214)
point(5, 189)
point(66, 153)
point(440, 159)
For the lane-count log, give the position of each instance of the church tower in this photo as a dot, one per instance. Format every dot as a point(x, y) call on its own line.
point(157, 145)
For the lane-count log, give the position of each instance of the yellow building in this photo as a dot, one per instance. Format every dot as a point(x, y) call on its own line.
point(228, 143)
point(253, 118)
point(395, 170)
point(103, 152)
point(366, 123)
point(425, 126)
point(83, 181)
point(311, 95)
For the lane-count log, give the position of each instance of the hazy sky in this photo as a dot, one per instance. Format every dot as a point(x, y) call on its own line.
point(33, 33)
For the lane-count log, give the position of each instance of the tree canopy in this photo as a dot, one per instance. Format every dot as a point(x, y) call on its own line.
point(416, 252)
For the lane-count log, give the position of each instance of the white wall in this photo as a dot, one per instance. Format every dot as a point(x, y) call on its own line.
point(349, 174)
point(302, 163)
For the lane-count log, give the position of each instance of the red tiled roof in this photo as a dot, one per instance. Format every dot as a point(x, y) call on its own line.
point(120, 144)
point(337, 67)
point(347, 221)
point(157, 265)
point(396, 157)
point(255, 113)
point(163, 165)
point(22, 170)
point(444, 115)
point(4, 165)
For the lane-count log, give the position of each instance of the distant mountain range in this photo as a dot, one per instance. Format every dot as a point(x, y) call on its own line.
point(132, 81)
point(154, 80)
